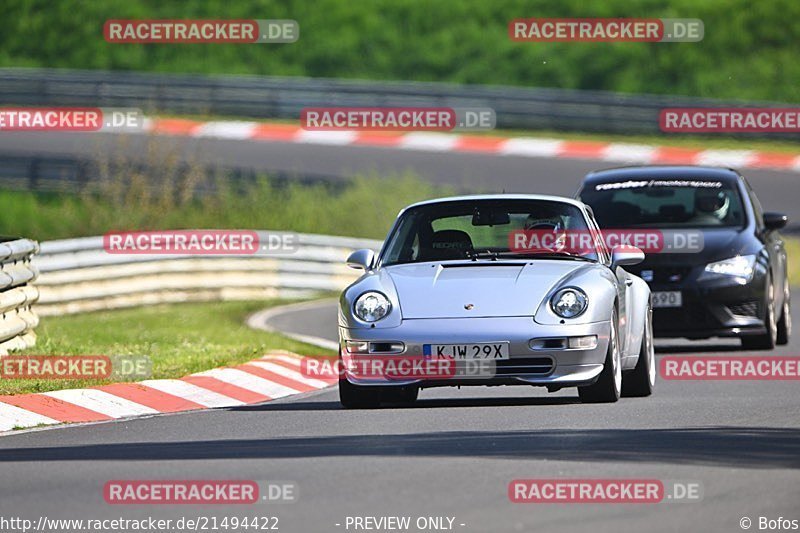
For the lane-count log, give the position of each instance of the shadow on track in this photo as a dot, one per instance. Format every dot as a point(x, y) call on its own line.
point(698, 348)
point(758, 447)
point(419, 404)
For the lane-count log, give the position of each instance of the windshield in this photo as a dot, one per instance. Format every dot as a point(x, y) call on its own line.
point(484, 229)
point(665, 204)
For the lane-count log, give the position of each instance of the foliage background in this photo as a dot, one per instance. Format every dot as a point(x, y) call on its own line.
point(750, 50)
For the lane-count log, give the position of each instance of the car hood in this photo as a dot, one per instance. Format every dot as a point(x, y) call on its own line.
point(493, 289)
point(718, 244)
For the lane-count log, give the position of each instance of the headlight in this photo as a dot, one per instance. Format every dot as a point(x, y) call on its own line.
point(741, 266)
point(569, 303)
point(372, 306)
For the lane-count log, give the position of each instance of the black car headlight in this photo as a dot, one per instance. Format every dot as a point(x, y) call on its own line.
point(569, 302)
point(741, 266)
point(372, 306)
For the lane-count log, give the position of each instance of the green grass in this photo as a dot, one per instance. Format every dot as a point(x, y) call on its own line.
point(364, 207)
point(180, 339)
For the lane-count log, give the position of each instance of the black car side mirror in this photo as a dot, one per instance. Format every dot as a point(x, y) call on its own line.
point(773, 221)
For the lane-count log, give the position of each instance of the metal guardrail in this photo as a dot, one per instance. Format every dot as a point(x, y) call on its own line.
point(283, 97)
point(77, 275)
point(77, 173)
point(17, 318)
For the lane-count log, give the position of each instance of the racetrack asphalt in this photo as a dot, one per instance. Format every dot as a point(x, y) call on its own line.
point(479, 172)
point(455, 452)
point(452, 454)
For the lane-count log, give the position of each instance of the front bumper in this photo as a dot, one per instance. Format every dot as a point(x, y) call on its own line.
point(526, 365)
point(713, 308)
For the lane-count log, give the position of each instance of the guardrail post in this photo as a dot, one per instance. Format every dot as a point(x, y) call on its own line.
point(17, 295)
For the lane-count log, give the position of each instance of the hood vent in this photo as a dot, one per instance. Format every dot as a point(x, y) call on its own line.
point(481, 264)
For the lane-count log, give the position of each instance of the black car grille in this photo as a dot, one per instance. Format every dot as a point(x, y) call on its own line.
point(662, 275)
point(525, 365)
point(748, 309)
point(688, 316)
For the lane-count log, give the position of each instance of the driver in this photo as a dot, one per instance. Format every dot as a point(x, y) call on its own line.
point(548, 217)
point(710, 207)
point(548, 223)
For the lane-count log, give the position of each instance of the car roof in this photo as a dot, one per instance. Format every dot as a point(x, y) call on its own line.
point(727, 175)
point(562, 199)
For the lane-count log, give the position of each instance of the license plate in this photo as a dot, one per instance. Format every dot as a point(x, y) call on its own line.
point(667, 299)
point(491, 351)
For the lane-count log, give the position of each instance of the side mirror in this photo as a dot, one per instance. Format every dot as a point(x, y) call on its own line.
point(626, 255)
point(361, 259)
point(773, 221)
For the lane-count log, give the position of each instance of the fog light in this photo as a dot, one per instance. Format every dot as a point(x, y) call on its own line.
point(588, 342)
point(357, 346)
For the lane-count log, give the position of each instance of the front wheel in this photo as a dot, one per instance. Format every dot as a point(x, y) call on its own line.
point(608, 387)
point(358, 397)
point(768, 340)
point(641, 381)
point(407, 394)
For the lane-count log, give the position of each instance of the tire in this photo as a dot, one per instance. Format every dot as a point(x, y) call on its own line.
point(641, 381)
point(785, 323)
point(768, 340)
point(401, 395)
point(358, 397)
point(608, 387)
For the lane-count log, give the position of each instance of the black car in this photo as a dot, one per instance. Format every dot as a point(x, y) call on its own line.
point(732, 282)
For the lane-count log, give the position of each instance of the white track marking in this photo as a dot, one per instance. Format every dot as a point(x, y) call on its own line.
point(101, 402)
point(326, 137)
point(285, 358)
point(291, 374)
point(436, 142)
point(191, 392)
point(635, 153)
point(12, 417)
point(227, 130)
point(728, 158)
point(250, 382)
point(531, 147)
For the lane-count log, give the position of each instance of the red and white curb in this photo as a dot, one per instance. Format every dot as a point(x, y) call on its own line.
point(503, 146)
point(276, 375)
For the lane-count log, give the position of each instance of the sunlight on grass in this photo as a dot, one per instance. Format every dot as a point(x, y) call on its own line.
point(180, 339)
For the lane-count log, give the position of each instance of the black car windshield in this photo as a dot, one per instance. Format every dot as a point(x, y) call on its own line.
point(665, 203)
point(486, 230)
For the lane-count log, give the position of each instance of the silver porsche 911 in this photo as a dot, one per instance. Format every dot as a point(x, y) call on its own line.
point(461, 295)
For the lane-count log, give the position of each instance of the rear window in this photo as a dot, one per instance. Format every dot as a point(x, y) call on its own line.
point(666, 203)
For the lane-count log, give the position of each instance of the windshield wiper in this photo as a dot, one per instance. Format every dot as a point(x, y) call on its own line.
point(487, 254)
point(543, 255)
